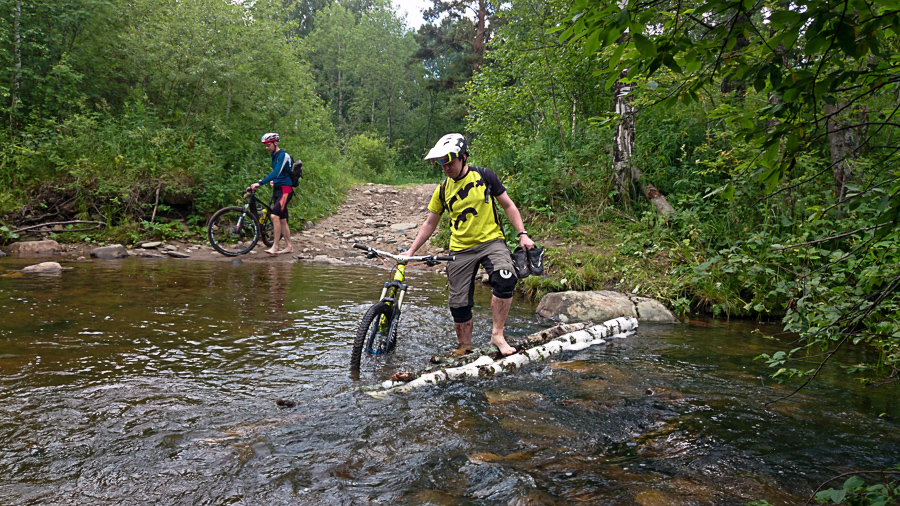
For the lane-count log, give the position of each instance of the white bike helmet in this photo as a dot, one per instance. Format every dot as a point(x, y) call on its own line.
point(447, 147)
point(270, 137)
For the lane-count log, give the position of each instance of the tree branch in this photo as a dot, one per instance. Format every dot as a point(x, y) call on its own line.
point(834, 236)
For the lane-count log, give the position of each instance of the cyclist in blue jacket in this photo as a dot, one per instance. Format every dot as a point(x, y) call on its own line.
point(280, 178)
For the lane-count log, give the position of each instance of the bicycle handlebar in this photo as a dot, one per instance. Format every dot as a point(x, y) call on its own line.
point(402, 258)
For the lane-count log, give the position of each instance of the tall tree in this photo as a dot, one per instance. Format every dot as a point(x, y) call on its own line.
point(471, 20)
point(334, 51)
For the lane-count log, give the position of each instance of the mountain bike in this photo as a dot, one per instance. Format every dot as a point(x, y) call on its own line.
point(235, 230)
point(377, 331)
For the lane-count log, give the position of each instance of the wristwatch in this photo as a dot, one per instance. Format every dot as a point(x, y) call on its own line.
point(520, 234)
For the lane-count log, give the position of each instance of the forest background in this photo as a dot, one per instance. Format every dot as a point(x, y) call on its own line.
point(768, 126)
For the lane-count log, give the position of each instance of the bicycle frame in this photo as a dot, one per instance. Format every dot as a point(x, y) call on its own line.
point(263, 216)
point(251, 207)
point(392, 287)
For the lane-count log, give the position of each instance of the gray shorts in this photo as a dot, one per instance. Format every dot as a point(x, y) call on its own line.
point(493, 255)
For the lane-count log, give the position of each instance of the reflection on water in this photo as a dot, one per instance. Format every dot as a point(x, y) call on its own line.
point(154, 381)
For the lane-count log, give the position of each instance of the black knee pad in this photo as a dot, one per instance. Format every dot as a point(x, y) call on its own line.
point(461, 314)
point(503, 283)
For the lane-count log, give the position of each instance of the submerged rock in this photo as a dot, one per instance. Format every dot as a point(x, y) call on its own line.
point(602, 305)
point(109, 252)
point(504, 396)
point(48, 247)
point(44, 267)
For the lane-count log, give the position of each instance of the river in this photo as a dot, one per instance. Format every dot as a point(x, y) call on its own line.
point(155, 381)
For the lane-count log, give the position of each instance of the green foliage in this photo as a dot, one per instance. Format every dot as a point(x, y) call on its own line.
point(166, 231)
point(746, 111)
point(6, 233)
point(362, 62)
point(855, 491)
point(168, 120)
point(367, 156)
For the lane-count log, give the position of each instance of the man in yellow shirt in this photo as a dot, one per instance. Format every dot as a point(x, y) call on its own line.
point(476, 237)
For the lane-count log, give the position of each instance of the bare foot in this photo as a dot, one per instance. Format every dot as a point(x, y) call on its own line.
point(270, 251)
point(285, 250)
point(505, 349)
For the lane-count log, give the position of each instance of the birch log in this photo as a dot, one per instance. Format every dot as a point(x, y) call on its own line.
point(486, 365)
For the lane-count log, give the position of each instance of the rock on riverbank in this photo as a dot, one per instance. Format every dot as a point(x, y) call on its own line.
point(602, 305)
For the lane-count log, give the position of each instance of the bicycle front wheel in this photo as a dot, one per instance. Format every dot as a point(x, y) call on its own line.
point(373, 333)
point(233, 232)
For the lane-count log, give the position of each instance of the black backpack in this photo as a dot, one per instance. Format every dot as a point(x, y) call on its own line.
point(296, 172)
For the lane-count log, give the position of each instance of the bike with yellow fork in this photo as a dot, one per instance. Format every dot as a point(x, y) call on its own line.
point(377, 331)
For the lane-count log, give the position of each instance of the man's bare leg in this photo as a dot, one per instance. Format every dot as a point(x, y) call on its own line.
point(464, 336)
point(286, 233)
point(276, 230)
point(500, 310)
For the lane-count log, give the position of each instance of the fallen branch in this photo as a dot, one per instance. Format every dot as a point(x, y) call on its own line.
point(156, 205)
point(97, 224)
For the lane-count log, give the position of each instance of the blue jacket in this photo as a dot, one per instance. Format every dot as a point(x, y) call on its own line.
point(281, 169)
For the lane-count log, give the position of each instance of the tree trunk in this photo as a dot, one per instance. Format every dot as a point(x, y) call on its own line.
point(228, 103)
point(574, 116)
point(340, 105)
point(623, 144)
point(389, 116)
point(17, 57)
point(480, 31)
point(842, 142)
point(662, 206)
point(623, 149)
point(432, 97)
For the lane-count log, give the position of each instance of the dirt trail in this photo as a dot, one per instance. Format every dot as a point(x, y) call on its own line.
point(384, 217)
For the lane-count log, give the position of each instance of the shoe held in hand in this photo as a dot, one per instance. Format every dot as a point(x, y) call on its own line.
point(521, 263)
point(536, 260)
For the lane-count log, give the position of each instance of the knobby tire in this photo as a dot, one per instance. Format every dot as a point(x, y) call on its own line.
point(369, 326)
point(226, 238)
point(268, 230)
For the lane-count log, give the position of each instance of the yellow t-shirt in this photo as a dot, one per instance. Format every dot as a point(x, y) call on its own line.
point(472, 220)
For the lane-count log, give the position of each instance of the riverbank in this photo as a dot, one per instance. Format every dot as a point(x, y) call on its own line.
point(382, 216)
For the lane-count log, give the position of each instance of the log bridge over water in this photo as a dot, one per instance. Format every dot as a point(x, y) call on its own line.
point(485, 362)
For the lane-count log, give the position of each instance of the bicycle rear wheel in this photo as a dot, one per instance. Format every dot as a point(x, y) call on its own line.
point(268, 230)
point(233, 232)
point(373, 334)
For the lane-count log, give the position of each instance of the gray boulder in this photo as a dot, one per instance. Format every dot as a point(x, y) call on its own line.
point(35, 247)
point(109, 252)
point(602, 305)
point(44, 268)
